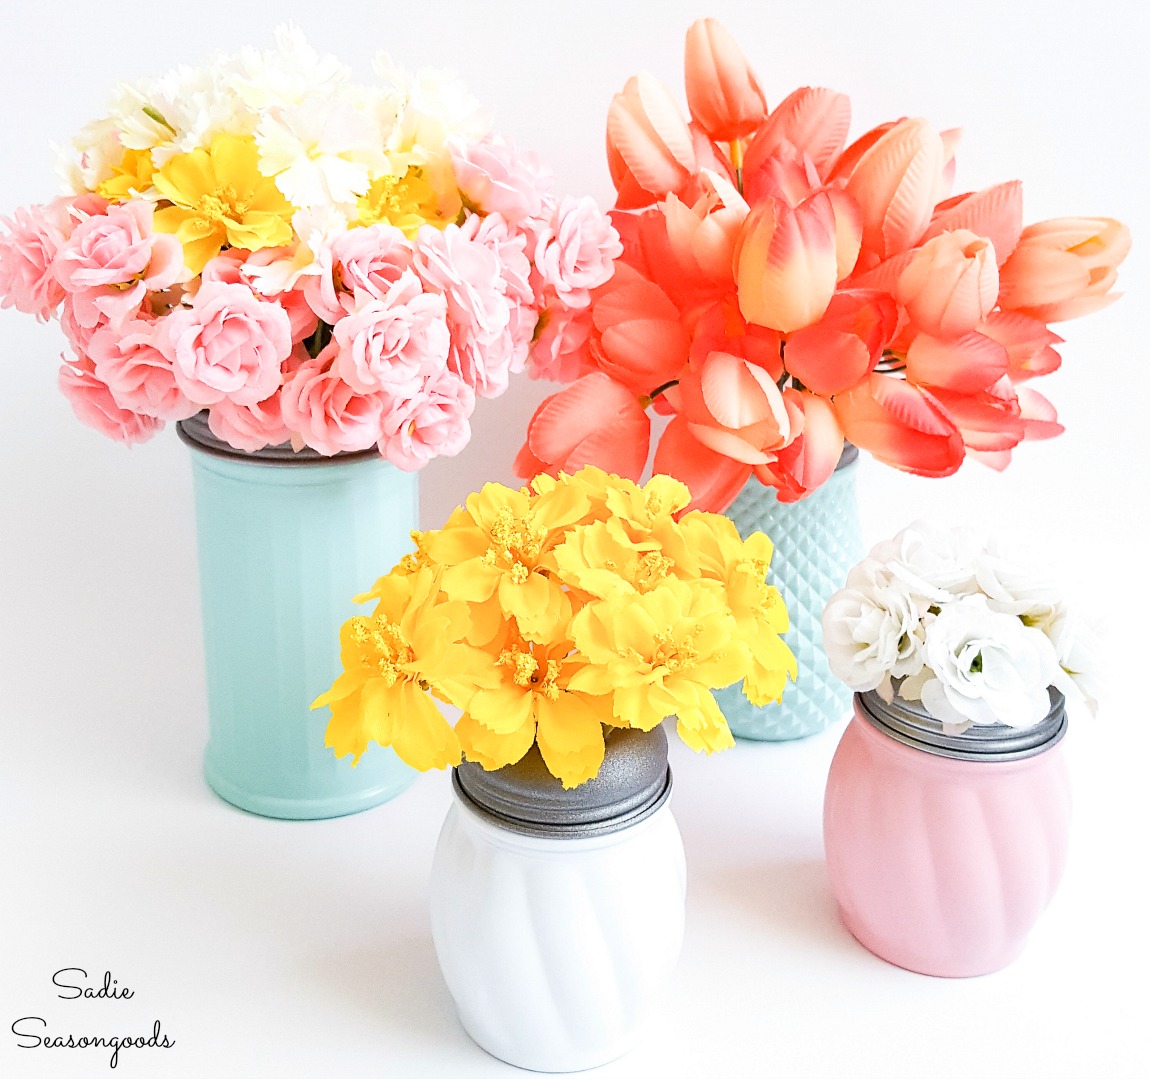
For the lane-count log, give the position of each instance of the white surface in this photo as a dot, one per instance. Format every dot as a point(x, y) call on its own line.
point(300, 950)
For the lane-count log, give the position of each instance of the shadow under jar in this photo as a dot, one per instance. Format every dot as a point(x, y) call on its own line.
point(943, 849)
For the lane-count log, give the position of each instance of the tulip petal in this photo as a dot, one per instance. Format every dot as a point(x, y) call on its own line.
point(901, 425)
point(1039, 418)
point(965, 364)
point(995, 213)
point(813, 119)
point(810, 460)
point(713, 479)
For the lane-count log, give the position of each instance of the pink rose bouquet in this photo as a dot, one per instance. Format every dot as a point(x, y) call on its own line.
point(782, 291)
point(308, 259)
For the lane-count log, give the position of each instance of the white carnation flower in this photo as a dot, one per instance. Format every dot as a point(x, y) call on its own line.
point(286, 74)
point(988, 667)
point(321, 151)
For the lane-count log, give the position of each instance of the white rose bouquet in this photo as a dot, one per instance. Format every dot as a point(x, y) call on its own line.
point(969, 627)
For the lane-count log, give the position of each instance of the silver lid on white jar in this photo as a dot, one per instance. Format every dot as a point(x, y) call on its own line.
point(633, 782)
point(909, 722)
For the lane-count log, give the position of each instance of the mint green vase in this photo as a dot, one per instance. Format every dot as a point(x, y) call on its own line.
point(817, 540)
point(285, 541)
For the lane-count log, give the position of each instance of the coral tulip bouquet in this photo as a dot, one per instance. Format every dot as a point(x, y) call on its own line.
point(548, 613)
point(308, 259)
point(965, 624)
point(781, 290)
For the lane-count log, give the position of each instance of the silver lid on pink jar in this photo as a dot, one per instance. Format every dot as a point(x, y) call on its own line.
point(909, 722)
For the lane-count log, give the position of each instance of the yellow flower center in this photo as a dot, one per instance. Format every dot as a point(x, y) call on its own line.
point(652, 570)
point(522, 664)
point(674, 655)
point(383, 647)
point(222, 205)
point(406, 201)
point(515, 544)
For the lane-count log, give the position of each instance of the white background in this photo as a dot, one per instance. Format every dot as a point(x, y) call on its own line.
point(278, 949)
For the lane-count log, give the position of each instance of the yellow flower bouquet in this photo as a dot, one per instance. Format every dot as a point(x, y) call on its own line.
point(545, 614)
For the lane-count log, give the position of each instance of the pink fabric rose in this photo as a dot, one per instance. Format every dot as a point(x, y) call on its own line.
point(433, 422)
point(230, 268)
point(358, 266)
point(92, 402)
point(560, 352)
point(468, 275)
point(393, 342)
point(494, 177)
point(137, 374)
point(324, 412)
point(27, 282)
point(249, 427)
point(112, 260)
point(577, 252)
point(227, 344)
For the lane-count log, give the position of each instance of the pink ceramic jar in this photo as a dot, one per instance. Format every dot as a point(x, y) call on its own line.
point(944, 849)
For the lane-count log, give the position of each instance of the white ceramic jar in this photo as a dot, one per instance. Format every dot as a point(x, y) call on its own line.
point(558, 915)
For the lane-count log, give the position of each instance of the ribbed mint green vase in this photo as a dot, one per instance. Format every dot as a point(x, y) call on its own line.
point(285, 541)
point(817, 540)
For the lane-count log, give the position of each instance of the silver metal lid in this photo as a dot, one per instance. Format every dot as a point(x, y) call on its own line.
point(634, 781)
point(909, 722)
point(195, 432)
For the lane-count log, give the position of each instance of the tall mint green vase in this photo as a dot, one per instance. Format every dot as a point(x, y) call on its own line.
point(817, 540)
point(285, 541)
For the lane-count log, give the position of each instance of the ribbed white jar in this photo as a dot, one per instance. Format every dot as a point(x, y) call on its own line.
point(556, 949)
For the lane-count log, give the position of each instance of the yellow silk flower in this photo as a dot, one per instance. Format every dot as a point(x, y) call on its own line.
point(219, 197)
point(659, 654)
point(550, 612)
point(411, 639)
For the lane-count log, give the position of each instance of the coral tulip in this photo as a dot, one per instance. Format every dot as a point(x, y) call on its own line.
point(901, 425)
point(989, 420)
point(641, 342)
point(810, 459)
point(722, 92)
point(813, 120)
point(650, 150)
point(734, 407)
point(1064, 267)
point(786, 265)
point(845, 344)
point(594, 421)
point(964, 364)
point(1029, 343)
point(951, 284)
point(995, 213)
point(703, 236)
point(712, 478)
point(895, 183)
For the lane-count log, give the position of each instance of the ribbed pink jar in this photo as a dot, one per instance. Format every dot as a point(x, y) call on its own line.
point(944, 849)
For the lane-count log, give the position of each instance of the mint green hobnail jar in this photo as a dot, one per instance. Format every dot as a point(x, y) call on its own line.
point(816, 540)
point(285, 541)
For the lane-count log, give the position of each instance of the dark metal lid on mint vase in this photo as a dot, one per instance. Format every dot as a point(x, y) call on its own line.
point(633, 782)
point(196, 433)
point(909, 722)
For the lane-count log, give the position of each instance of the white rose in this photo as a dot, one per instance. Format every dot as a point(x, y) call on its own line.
point(872, 634)
point(930, 561)
point(1016, 582)
point(988, 667)
point(1077, 650)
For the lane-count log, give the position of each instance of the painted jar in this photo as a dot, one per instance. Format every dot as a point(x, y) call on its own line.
point(943, 849)
point(557, 915)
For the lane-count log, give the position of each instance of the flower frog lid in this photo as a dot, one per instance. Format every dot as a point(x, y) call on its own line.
point(633, 782)
point(910, 723)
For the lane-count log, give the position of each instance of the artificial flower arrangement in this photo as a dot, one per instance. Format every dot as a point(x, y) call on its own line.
point(781, 291)
point(550, 612)
point(964, 624)
point(307, 258)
